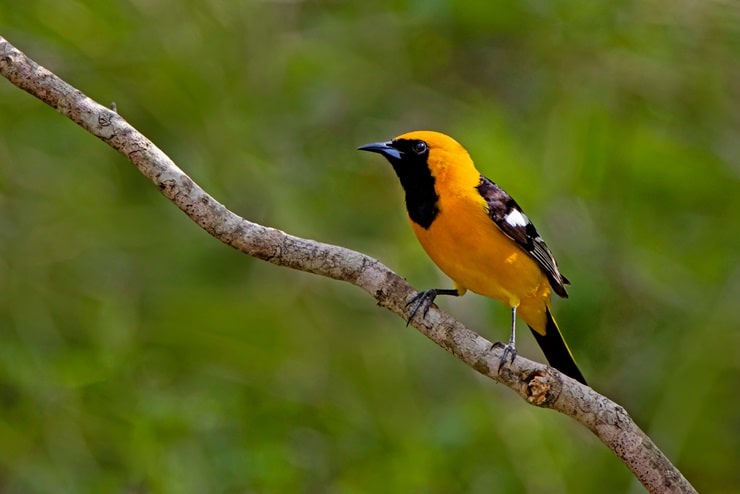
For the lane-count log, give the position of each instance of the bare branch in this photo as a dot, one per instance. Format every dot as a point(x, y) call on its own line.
point(538, 384)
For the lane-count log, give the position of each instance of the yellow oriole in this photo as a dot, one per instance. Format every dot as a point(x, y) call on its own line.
point(479, 236)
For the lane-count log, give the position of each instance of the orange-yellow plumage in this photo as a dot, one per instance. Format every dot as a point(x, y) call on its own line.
point(477, 234)
point(467, 246)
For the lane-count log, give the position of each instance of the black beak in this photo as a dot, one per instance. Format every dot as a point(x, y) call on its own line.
point(384, 148)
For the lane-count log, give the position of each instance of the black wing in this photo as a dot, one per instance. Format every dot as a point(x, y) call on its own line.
point(509, 217)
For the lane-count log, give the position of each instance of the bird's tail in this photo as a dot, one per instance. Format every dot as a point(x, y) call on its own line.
point(556, 350)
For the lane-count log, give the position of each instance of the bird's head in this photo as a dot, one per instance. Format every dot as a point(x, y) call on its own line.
point(422, 152)
point(414, 147)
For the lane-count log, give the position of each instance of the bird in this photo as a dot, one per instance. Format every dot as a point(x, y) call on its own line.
point(477, 234)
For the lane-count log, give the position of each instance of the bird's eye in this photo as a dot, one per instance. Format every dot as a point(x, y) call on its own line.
point(420, 147)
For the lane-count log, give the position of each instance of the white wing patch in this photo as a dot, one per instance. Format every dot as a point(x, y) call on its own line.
point(516, 218)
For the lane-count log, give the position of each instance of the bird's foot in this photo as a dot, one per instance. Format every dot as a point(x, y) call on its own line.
point(422, 300)
point(509, 353)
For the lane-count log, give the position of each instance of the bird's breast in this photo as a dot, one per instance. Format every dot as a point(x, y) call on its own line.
point(469, 248)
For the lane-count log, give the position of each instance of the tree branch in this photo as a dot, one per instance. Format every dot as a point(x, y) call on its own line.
point(538, 384)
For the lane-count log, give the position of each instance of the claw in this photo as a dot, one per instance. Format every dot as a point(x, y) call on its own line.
point(509, 353)
point(421, 299)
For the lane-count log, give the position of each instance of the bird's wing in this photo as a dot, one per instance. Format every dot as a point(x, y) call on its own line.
point(510, 219)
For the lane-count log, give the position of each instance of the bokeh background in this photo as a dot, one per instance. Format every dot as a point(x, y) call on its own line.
point(139, 355)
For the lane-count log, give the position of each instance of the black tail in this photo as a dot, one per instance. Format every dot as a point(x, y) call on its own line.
point(557, 352)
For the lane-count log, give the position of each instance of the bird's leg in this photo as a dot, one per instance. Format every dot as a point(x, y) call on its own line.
point(424, 299)
point(510, 348)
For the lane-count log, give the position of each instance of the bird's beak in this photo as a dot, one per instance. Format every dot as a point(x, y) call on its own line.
point(384, 148)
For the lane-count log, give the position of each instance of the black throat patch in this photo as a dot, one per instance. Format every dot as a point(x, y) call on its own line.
point(418, 183)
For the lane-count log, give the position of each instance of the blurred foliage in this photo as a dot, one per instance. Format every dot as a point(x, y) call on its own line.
point(140, 355)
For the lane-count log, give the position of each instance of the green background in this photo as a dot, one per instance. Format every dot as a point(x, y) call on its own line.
point(138, 354)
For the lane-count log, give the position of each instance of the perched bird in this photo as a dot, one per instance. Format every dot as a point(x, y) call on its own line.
point(479, 236)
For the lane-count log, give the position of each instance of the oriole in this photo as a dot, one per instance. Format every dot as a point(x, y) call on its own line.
point(478, 235)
